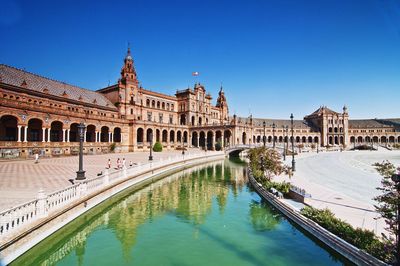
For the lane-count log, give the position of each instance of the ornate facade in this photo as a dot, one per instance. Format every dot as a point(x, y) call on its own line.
point(40, 115)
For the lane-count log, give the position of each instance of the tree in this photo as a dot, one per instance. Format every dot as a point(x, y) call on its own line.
point(267, 163)
point(388, 207)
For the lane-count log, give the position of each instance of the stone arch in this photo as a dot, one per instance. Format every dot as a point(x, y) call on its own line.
point(330, 129)
point(303, 139)
point(8, 128)
point(164, 135)
point(194, 139)
point(244, 138)
point(163, 105)
point(335, 130)
point(153, 103)
point(202, 140)
point(157, 135)
point(375, 139)
point(258, 139)
point(330, 140)
point(310, 139)
point(56, 131)
point(149, 135)
point(148, 102)
point(117, 134)
point(158, 105)
point(352, 139)
point(35, 126)
point(90, 133)
point(316, 140)
point(172, 136)
point(193, 120)
point(139, 135)
point(360, 139)
point(280, 139)
point(336, 140)
point(391, 139)
point(73, 132)
point(178, 136)
point(297, 139)
point(210, 143)
point(183, 119)
point(341, 140)
point(185, 136)
point(199, 121)
point(383, 139)
point(104, 133)
point(227, 137)
point(269, 139)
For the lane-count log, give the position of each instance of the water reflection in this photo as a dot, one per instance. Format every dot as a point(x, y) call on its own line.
point(211, 202)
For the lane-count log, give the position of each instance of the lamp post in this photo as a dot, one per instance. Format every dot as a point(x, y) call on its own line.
point(183, 146)
point(151, 147)
point(293, 161)
point(264, 134)
point(396, 180)
point(273, 135)
point(317, 145)
point(80, 174)
point(284, 143)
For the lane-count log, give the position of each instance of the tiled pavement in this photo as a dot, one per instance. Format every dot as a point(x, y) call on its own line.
point(20, 181)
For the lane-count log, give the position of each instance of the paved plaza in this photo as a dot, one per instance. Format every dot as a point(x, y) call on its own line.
point(21, 180)
point(344, 182)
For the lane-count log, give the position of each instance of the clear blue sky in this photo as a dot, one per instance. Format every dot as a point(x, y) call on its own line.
point(272, 57)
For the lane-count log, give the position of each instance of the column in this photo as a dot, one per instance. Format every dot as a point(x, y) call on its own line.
point(48, 134)
point(19, 133)
point(112, 136)
point(68, 130)
point(97, 135)
point(84, 136)
point(26, 134)
point(43, 134)
point(214, 141)
point(198, 140)
point(109, 136)
point(63, 137)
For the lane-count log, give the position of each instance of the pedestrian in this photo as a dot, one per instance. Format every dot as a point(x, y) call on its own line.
point(130, 163)
point(36, 157)
point(109, 163)
point(123, 163)
point(118, 163)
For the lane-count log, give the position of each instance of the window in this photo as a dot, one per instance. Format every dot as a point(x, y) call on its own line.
point(131, 111)
point(171, 119)
point(148, 116)
point(160, 117)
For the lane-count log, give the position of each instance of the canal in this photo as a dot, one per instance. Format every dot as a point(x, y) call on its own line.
point(205, 215)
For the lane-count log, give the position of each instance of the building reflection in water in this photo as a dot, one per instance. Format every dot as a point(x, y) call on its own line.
point(188, 195)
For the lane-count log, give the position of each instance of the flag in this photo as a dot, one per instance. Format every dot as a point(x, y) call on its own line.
point(195, 73)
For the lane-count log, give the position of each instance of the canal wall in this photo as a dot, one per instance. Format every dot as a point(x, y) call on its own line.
point(26, 225)
point(347, 250)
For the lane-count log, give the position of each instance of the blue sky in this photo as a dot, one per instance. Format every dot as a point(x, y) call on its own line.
point(272, 57)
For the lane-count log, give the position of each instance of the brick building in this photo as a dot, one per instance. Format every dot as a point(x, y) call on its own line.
point(40, 115)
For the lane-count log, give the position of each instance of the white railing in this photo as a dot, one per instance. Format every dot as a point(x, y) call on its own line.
point(13, 219)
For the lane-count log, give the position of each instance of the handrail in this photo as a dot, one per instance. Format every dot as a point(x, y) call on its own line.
point(13, 218)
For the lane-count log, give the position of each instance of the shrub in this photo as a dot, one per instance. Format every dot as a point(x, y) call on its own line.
point(157, 147)
point(361, 238)
point(112, 146)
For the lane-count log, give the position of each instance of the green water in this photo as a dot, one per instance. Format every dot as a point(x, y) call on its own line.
point(205, 215)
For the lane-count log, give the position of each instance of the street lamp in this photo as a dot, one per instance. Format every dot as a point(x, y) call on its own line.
point(264, 134)
point(80, 174)
point(284, 143)
point(293, 161)
point(396, 180)
point(183, 146)
point(151, 147)
point(273, 135)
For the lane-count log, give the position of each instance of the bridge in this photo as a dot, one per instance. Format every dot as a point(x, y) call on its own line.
point(236, 149)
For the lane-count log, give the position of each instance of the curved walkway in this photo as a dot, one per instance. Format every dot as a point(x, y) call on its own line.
point(20, 181)
point(344, 182)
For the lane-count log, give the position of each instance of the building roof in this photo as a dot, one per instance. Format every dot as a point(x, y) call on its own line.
point(365, 123)
point(278, 122)
point(323, 110)
point(23, 79)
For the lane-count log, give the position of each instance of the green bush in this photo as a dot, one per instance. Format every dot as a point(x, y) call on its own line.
point(361, 238)
point(157, 147)
point(218, 146)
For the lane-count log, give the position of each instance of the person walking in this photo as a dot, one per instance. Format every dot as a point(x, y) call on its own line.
point(109, 163)
point(130, 163)
point(118, 163)
point(123, 163)
point(36, 157)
